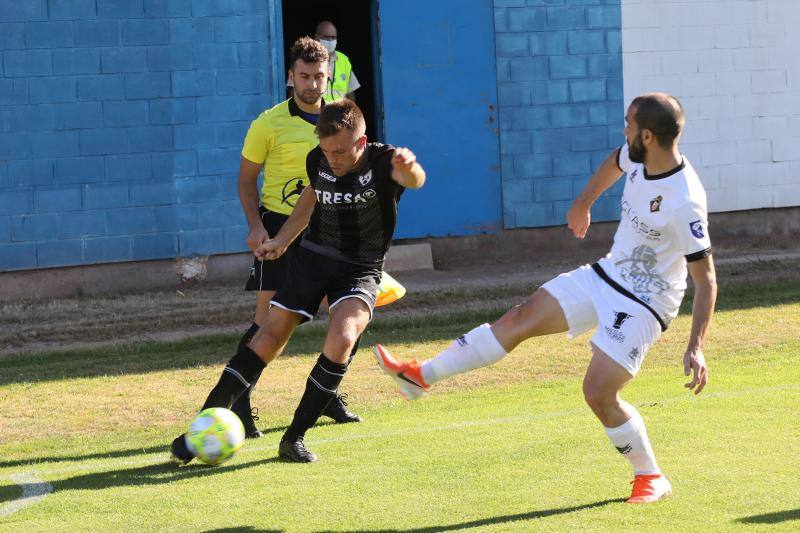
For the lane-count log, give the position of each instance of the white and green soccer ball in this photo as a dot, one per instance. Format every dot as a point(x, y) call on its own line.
point(215, 435)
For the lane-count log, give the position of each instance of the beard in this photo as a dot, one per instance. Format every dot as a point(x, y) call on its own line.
point(308, 97)
point(636, 150)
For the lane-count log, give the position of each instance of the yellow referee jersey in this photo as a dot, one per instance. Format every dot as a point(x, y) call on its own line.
point(280, 139)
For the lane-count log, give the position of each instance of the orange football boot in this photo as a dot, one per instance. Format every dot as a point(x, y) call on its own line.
point(407, 374)
point(649, 488)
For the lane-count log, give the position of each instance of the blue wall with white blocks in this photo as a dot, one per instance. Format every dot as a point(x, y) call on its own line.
point(122, 122)
point(559, 72)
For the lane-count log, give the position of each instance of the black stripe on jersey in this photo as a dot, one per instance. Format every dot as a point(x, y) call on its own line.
point(625, 292)
point(697, 256)
point(667, 173)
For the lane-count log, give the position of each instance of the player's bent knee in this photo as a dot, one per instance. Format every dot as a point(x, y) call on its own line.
point(338, 346)
point(264, 342)
point(599, 397)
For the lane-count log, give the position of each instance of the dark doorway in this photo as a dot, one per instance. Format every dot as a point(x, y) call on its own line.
point(355, 28)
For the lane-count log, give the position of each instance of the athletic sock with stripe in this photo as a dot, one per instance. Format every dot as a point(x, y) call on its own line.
point(321, 386)
point(242, 405)
point(476, 349)
point(630, 439)
point(242, 370)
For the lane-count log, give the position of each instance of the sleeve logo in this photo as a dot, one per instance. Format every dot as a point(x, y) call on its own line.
point(697, 229)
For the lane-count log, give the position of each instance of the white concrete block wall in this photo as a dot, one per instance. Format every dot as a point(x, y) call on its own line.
point(735, 65)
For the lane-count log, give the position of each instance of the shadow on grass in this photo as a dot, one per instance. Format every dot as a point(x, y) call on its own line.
point(242, 529)
point(485, 522)
point(157, 474)
point(142, 358)
point(130, 452)
point(771, 518)
point(118, 454)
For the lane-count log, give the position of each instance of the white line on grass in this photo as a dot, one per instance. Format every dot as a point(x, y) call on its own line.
point(34, 490)
point(261, 444)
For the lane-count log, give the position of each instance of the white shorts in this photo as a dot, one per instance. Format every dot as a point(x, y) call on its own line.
point(625, 328)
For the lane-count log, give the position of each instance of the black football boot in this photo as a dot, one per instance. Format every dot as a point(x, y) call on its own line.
point(295, 451)
point(337, 410)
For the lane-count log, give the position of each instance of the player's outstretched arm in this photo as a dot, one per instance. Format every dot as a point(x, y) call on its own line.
point(705, 296)
point(248, 196)
point(273, 248)
point(406, 170)
point(579, 216)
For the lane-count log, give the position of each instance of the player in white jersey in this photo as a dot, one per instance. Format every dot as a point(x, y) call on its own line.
point(630, 296)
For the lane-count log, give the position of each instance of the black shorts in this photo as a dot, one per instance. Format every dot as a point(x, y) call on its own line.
point(267, 275)
point(312, 276)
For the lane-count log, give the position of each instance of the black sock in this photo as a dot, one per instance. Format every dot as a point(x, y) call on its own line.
point(242, 404)
point(241, 371)
point(248, 336)
point(321, 387)
point(354, 350)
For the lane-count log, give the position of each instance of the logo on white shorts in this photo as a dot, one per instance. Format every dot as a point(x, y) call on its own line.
point(634, 353)
point(620, 318)
point(614, 331)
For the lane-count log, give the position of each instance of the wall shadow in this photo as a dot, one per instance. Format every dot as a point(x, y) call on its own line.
point(425, 326)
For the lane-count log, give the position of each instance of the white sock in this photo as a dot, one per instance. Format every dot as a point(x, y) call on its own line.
point(631, 440)
point(476, 349)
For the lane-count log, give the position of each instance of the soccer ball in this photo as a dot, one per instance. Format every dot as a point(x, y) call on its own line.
point(215, 435)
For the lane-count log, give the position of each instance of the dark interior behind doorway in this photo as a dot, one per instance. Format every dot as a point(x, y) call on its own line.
point(355, 39)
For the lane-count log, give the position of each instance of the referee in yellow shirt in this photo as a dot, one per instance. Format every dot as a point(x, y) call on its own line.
point(278, 142)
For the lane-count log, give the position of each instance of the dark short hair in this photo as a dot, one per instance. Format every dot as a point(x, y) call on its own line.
point(660, 113)
point(338, 116)
point(307, 49)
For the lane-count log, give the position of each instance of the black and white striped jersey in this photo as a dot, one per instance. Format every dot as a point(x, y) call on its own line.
point(356, 214)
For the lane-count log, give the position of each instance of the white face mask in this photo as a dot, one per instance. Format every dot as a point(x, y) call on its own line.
point(330, 46)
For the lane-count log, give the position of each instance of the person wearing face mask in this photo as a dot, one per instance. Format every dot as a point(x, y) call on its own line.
point(342, 81)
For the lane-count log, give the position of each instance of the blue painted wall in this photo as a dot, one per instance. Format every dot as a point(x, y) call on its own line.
point(559, 70)
point(122, 122)
point(440, 99)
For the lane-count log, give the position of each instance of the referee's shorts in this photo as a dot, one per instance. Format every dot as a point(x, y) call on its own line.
point(268, 275)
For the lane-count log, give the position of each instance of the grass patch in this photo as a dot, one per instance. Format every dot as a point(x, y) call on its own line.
point(508, 448)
